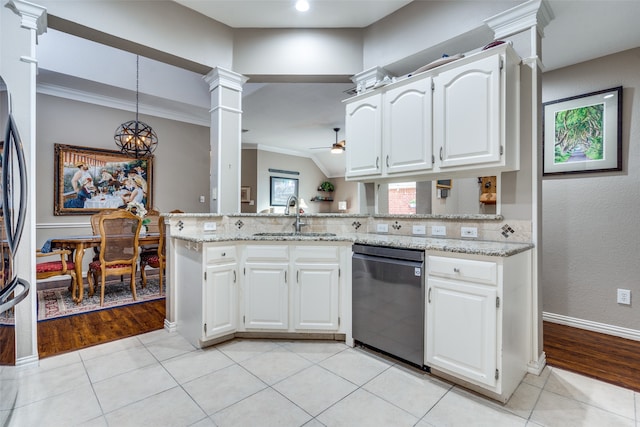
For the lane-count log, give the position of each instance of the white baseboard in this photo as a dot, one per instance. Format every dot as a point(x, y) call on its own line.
point(27, 361)
point(170, 326)
point(536, 367)
point(603, 328)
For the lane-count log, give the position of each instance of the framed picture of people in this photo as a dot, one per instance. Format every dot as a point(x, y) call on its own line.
point(89, 180)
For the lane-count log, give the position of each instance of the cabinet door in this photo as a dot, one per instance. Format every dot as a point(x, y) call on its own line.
point(408, 127)
point(316, 298)
point(364, 136)
point(461, 329)
point(220, 300)
point(468, 114)
point(266, 296)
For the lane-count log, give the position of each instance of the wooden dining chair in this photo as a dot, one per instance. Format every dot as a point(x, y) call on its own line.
point(156, 259)
point(61, 266)
point(119, 231)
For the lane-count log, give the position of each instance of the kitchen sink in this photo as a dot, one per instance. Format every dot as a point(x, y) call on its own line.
point(310, 234)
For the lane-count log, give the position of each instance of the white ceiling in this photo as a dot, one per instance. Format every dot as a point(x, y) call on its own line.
point(282, 13)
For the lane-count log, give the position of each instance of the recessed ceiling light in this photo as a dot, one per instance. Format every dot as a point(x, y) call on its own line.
point(302, 5)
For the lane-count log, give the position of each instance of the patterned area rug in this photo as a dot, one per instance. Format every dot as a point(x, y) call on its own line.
point(57, 302)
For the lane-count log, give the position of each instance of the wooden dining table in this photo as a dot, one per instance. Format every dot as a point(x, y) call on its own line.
point(77, 245)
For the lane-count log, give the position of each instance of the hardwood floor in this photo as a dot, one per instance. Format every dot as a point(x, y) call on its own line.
point(605, 357)
point(70, 333)
point(7, 345)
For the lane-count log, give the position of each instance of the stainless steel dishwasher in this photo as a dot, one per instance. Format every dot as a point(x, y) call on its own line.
point(388, 300)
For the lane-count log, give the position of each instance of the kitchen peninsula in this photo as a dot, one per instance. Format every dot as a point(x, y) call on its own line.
point(250, 275)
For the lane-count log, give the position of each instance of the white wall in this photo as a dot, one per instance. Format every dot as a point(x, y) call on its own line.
point(169, 32)
point(298, 52)
point(591, 226)
point(428, 29)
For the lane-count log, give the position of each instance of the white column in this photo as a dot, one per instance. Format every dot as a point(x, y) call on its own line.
point(20, 77)
point(226, 144)
point(524, 25)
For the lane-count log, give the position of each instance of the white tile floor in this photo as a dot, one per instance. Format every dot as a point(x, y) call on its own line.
point(158, 379)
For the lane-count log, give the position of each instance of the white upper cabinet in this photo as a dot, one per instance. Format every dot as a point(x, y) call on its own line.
point(406, 126)
point(453, 120)
point(390, 133)
point(472, 125)
point(364, 136)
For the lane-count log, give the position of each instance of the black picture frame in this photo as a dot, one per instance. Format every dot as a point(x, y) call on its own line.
point(281, 189)
point(107, 190)
point(583, 134)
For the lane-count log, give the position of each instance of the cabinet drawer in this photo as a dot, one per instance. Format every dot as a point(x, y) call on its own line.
point(316, 253)
point(219, 254)
point(463, 269)
point(267, 253)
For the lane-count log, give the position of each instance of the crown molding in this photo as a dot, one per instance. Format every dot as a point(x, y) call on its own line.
point(534, 13)
point(197, 116)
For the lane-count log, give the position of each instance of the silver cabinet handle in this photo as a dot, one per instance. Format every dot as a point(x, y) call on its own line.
point(387, 160)
point(234, 276)
point(440, 153)
point(285, 277)
point(456, 270)
point(377, 162)
point(298, 276)
point(429, 296)
point(224, 254)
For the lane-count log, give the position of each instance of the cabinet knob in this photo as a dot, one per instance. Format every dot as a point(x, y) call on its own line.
point(456, 270)
point(224, 254)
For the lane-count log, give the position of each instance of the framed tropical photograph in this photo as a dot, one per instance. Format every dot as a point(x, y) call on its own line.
point(90, 180)
point(281, 189)
point(583, 133)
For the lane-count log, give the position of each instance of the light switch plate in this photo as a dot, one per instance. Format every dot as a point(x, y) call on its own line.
point(209, 226)
point(382, 228)
point(438, 230)
point(469, 231)
point(419, 229)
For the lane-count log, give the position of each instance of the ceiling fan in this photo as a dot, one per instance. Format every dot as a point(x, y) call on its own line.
point(337, 147)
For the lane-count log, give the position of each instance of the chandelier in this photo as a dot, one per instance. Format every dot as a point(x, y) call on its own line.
point(135, 138)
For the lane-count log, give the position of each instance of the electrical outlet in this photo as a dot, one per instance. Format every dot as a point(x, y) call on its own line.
point(419, 229)
point(382, 228)
point(201, 199)
point(469, 231)
point(209, 226)
point(624, 296)
point(438, 230)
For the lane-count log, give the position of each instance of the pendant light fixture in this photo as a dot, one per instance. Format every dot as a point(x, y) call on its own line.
point(135, 138)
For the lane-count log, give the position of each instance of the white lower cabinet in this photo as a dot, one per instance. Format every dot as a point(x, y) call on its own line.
point(317, 287)
point(477, 329)
point(291, 287)
point(266, 287)
point(207, 294)
point(467, 345)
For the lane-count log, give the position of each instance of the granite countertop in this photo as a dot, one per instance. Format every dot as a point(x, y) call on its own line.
point(464, 246)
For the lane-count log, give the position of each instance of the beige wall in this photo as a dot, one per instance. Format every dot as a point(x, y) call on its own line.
point(308, 179)
point(591, 228)
point(180, 169)
point(249, 178)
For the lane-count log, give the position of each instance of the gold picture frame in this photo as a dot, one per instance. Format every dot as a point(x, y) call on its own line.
point(106, 180)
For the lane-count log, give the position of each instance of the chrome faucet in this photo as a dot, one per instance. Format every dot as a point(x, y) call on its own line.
point(297, 224)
